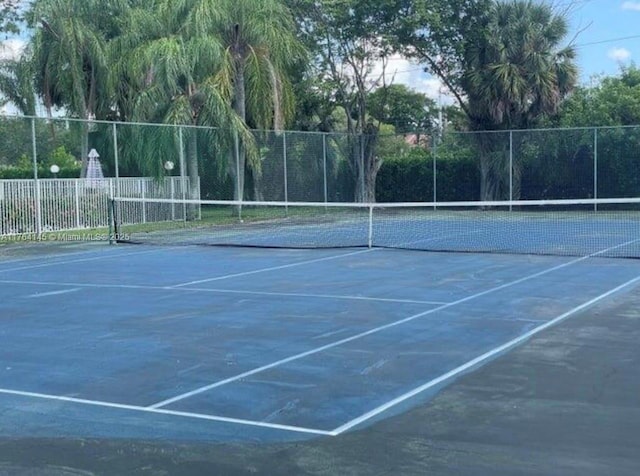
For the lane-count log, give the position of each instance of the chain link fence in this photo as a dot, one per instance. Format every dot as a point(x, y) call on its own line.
point(285, 166)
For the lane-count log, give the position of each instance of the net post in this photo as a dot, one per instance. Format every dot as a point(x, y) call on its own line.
point(595, 168)
point(370, 226)
point(510, 171)
point(112, 223)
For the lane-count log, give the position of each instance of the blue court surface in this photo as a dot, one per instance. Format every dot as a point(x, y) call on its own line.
point(242, 344)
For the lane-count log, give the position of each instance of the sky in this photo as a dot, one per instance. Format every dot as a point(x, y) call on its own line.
point(605, 33)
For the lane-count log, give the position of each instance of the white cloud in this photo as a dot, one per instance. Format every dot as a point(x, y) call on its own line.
point(619, 54)
point(402, 71)
point(635, 6)
point(11, 49)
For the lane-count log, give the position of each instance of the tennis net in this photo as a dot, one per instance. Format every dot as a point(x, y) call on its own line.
point(607, 227)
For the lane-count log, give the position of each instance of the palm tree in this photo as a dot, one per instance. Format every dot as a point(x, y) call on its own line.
point(516, 72)
point(260, 46)
point(216, 64)
point(70, 59)
point(16, 83)
point(172, 59)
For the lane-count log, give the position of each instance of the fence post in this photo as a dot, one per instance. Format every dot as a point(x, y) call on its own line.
point(36, 179)
point(240, 192)
point(595, 168)
point(510, 170)
point(435, 171)
point(173, 192)
point(116, 159)
point(183, 177)
point(324, 165)
point(198, 198)
point(143, 184)
point(284, 158)
point(370, 225)
point(362, 181)
point(77, 197)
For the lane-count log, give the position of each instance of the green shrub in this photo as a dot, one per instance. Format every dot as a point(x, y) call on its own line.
point(14, 172)
point(410, 178)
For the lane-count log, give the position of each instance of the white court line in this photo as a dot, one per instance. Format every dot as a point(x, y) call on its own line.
point(87, 285)
point(154, 409)
point(319, 296)
point(220, 291)
point(136, 408)
point(378, 329)
point(81, 260)
point(53, 293)
point(374, 330)
point(47, 257)
point(478, 360)
point(273, 268)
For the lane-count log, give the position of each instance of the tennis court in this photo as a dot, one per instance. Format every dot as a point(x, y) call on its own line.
point(267, 343)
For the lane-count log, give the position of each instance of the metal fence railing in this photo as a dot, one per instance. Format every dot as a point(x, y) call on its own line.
point(47, 205)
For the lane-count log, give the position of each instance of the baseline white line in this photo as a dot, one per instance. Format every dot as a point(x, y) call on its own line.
point(273, 268)
point(220, 291)
point(81, 260)
point(136, 408)
point(373, 331)
point(478, 360)
point(86, 285)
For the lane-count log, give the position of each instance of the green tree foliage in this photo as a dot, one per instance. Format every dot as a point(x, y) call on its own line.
point(516, 74)
point(174, 61)
point(15, 75)
point(258, 37)
point(612, 101)
point(16, 83)
point(436, 33)
point(71, 58)
point(10, 16)
point(404, 109)
point(219, 64)
point(350, 49)
point(504, 61)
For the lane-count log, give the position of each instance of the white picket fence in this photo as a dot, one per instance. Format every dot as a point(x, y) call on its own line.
point(34, 207)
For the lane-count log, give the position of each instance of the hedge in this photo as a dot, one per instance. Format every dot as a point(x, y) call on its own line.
point(410, 179)
point(7, 173)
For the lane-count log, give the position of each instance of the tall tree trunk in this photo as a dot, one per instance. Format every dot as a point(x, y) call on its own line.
point(372, 164)
point(84, 147)
point(366, 165)
point(358, 166)
point(89, 112)
point(239, 154)
point(192, 172)
point(487, 185)
point(494, 166)
point(258, 189)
